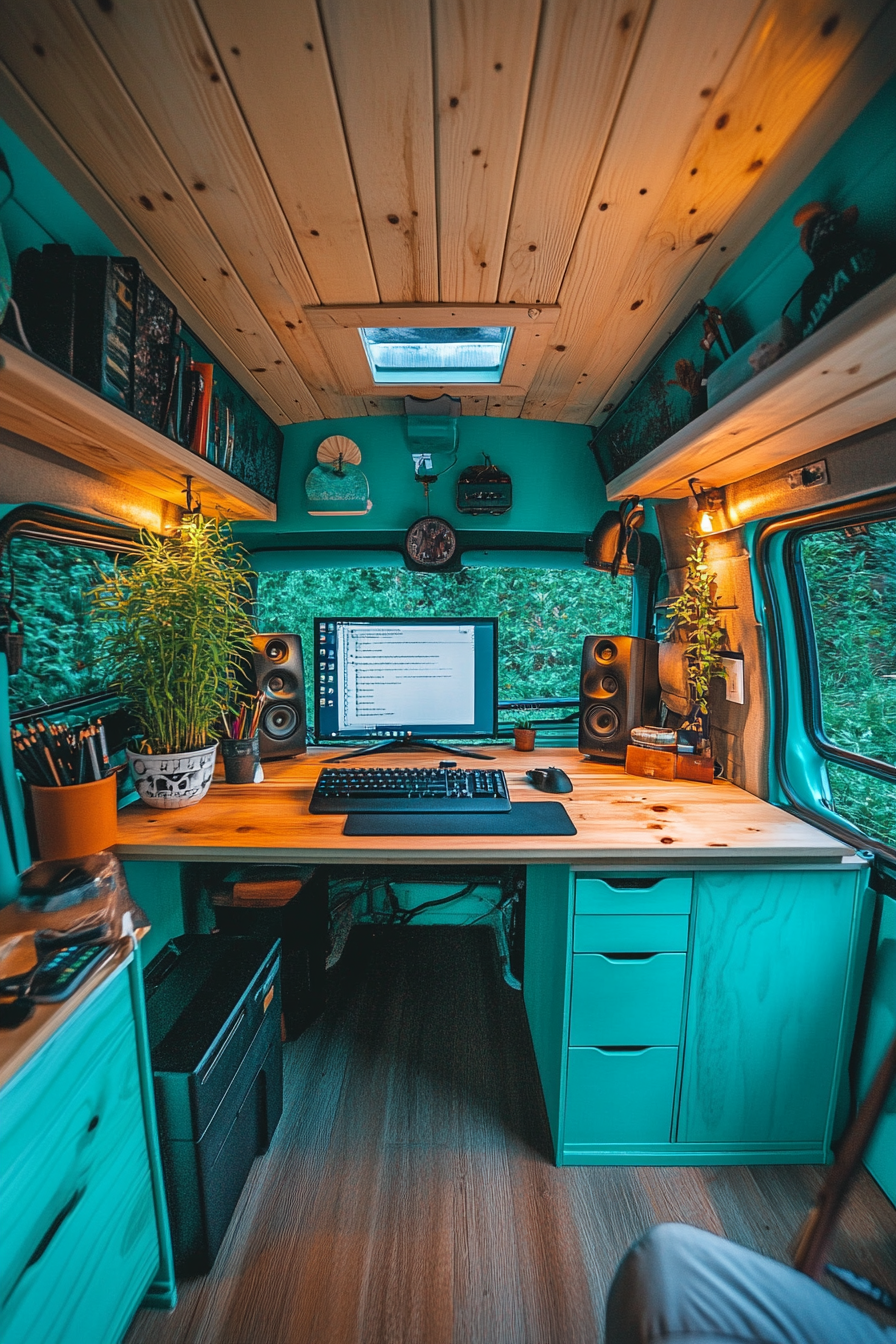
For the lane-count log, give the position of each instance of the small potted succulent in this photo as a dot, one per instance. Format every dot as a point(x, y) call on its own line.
point(523, 734)
point(178, 631)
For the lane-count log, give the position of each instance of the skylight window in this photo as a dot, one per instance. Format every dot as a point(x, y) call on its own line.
point(436, 354)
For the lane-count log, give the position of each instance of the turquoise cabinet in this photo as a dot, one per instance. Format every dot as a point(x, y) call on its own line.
point(765, 1011)
point(692, 1018)
point(880, 1156)
point(78, 1207)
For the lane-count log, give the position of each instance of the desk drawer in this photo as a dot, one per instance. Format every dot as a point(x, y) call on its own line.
point(620, 1096)
point(625, 1001)
point(630, 933)
point(629, 894)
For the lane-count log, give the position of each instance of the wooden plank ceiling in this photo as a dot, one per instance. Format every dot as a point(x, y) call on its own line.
point(262, 159)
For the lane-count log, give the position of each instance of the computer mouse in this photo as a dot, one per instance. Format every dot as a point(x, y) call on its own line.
point(550, 780)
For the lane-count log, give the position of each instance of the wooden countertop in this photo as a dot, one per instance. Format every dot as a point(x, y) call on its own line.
point(619, 818)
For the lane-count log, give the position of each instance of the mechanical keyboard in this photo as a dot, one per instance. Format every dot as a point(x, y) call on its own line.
point(409, 790)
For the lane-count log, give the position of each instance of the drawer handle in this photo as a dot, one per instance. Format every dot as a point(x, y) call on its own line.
point(629, 956)
point(632, 883)
point(44, 1243)
point(621, 1049)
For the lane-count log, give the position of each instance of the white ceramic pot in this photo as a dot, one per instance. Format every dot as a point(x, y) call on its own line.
point(173, 781)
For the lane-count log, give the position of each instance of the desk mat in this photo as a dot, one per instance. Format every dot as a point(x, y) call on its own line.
point(522, 819)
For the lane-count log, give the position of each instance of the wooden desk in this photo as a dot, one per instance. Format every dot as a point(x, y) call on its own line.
point(693, 956)
point(618, 818)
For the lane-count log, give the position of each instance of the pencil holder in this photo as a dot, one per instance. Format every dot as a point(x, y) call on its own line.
point(75, 819)
point(241, 756)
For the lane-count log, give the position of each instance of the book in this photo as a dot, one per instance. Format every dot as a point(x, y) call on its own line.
point(201, 432)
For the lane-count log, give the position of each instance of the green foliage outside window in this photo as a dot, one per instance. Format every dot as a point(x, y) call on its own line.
point(63, 657)
point(852, 591)
point(543, 614)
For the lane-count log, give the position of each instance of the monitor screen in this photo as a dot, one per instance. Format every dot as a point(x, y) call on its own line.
point(402, 678)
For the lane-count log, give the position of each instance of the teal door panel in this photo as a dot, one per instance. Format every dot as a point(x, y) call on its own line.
point(630, 894)
point(880, 1155)
point(626, 1002)
point(630, 933)
point(80, 1242)
point(770, 961)
point(620, 1096)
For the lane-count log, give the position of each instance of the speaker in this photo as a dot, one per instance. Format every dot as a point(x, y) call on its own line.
point(619, 690)
point(280, 678)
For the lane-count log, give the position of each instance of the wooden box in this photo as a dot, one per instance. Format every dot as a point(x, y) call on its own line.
point(650, 763)
point(699, 768)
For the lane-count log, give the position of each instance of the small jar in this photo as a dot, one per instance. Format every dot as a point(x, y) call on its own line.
point(241, 756)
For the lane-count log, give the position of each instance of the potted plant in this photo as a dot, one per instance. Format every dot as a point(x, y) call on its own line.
point(523, 734)
point(695, 616)
point(177, 629)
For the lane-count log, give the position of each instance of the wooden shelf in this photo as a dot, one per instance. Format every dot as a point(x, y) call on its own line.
point(43, 404)
point(839, 381)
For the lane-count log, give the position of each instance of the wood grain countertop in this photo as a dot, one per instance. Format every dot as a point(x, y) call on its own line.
point(619, 819)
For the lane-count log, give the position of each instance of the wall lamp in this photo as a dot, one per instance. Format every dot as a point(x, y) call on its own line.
point(710, 506)
point(608, 546)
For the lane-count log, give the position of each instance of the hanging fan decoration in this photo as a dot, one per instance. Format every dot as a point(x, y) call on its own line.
point(337, 486)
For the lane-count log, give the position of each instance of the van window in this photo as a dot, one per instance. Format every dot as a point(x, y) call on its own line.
point(543, 614)
point(49, 582)
point(850, 575)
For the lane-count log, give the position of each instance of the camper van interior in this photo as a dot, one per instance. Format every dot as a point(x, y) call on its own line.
point(448, 638)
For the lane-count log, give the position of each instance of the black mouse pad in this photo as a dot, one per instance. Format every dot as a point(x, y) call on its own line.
point(522, 819)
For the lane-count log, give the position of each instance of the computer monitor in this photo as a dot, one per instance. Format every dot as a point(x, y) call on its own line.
point(400, 679)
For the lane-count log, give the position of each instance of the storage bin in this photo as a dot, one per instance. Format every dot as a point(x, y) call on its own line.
point(620, 1000)
point(620, 1096)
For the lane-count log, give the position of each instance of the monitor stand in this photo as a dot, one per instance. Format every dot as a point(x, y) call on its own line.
point(410, 744)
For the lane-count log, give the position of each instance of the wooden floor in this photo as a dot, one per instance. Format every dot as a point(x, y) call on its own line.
point(409, 1195)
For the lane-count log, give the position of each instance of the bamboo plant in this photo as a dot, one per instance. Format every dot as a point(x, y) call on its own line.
point(178, 631)
point(695, 614)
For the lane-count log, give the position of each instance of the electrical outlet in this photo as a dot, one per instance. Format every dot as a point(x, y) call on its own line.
point(734, 686)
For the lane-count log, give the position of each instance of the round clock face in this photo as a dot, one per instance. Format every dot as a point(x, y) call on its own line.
point(431, 542)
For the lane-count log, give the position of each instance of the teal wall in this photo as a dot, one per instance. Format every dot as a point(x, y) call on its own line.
point(557, 490)
point(41, 211)
point(860, 169)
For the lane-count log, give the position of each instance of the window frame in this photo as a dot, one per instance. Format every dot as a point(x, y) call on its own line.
point(46, 522)
point(561, 731)
point(796, 700)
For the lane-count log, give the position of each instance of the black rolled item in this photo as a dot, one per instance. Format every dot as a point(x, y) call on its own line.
point(44, 289)
point(213, 1010)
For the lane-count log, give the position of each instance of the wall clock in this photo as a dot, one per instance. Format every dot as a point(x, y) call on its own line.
point(430, 543)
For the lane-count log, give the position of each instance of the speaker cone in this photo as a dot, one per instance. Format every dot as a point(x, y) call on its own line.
point(280, 683)
point(280, 721)
point(276, 650)
point(602, 721)
point(606, 651)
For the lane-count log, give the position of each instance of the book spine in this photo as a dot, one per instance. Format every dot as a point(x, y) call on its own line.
point(199, 442)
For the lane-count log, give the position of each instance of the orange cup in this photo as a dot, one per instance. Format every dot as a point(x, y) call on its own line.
point(75, 819)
